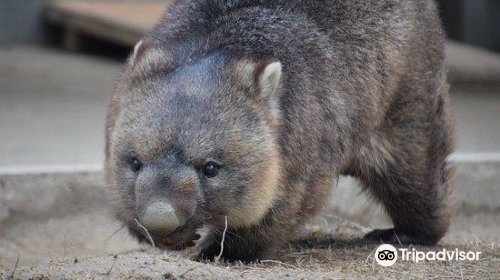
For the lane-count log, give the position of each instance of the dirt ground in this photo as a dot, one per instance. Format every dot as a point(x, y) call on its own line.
point(328, 248)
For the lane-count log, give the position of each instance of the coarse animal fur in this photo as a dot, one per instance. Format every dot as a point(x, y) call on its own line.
point(287, 95)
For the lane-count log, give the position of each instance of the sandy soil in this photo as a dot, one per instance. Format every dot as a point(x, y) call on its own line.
point(321, 251)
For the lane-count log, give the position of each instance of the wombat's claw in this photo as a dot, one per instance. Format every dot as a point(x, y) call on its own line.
point(181, 246)
point(393, 236)
point(385, 236)
point(191, 242)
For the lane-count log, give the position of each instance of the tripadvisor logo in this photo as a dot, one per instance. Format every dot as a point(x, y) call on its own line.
point(387, 255)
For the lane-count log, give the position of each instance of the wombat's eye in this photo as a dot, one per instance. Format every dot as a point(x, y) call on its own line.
point(136, 165)
point(210, 169)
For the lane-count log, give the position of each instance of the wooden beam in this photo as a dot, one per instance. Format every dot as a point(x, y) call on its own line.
point(120, 22)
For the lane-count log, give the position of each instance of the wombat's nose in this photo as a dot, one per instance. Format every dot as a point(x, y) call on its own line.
point(160, 217)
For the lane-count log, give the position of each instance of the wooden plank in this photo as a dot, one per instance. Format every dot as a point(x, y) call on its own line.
point(121, 22)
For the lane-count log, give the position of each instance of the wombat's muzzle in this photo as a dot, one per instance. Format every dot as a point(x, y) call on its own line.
point(160, 218)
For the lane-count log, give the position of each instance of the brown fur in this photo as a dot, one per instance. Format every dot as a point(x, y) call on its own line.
point(358, 88)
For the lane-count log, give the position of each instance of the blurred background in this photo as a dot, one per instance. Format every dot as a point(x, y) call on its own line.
point(59, 61)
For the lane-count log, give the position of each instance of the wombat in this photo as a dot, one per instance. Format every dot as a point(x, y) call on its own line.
point(243, 113)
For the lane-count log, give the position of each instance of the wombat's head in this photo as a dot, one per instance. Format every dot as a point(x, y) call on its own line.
point(192, 143)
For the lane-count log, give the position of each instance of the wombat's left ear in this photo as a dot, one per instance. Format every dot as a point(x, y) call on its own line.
point(268, 78)
point(263, 79)
point(138, 50)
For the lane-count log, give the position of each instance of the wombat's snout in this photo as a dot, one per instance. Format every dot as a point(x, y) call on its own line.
point(160, 217)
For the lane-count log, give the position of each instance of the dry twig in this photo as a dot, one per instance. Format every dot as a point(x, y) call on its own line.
point(15, 267)
point(112, 265)
point(190, 269)
point(280, 263)
point(399, 241)
point(222, 242)
point(150, 239)
point(75, 260)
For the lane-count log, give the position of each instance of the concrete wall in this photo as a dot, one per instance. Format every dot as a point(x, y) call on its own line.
point(475, 22)
point(20, 21)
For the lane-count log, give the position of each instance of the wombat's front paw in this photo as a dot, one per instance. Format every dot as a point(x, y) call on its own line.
point(231, 252)
point(180, 245)
point(393, 236)
point(181, 239)
point(382, 235)
point(209, 249)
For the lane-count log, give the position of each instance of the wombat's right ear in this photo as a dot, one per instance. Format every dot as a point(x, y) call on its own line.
point(147, 54)
point(263, 78)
